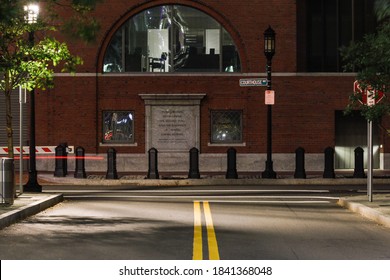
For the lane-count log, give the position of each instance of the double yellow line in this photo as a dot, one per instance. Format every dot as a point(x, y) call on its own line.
point(211, 238)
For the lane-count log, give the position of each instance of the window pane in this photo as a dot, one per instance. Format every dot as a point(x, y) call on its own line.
point(226, 126)
point(118, 126)
point(135, 44)
point(196, 41)
point(331, 36)
point(332, 24)
point(345, 18)
point(113, 57)
point(315, 36)
point(147, 41)
point(230, 57)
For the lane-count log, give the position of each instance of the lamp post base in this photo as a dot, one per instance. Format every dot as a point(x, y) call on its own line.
point(269, 172)
point(32, 185)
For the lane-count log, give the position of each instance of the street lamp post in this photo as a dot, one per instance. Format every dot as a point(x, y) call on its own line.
point(269, 51)
point(32, 11)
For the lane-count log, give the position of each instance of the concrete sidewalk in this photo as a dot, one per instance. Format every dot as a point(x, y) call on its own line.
point(26, 205)
point(211, 180)
point(32, 203)
point(378, 210)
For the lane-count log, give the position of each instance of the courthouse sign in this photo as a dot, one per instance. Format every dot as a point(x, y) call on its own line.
point(253, 82)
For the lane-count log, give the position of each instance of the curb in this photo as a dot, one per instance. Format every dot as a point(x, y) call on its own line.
point(365, 211)
point(16, 215)
point(211, 182)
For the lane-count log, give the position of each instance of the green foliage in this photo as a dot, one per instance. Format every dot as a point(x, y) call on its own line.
point(9, 10)
point(85, 5)
point(83, 28)
point(382, 9)
point(79, 24)
point(370, 58)
point(30, 64)
point(373, 113)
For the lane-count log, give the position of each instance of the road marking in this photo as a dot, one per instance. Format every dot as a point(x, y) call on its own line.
point(197, 244)
point(211, 237)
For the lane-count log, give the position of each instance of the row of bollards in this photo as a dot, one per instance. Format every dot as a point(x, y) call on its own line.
point(193, 173)
point(153, 173)
point(329, 171)
point(61, 169)
point(61, 162)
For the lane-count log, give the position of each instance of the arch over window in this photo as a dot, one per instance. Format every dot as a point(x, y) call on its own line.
point(171, 38)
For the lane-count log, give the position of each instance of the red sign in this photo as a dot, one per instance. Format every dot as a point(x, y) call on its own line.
point(370, 96)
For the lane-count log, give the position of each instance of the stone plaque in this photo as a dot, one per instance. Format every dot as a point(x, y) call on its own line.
point(172, 121)
point(173, 128)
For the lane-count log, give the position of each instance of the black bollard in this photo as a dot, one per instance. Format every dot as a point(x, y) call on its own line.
point(60, 161)
point(111, 164)
point(153, 164)
point(329, 163)
point(65, 145)
point(194, 164)
point(231, 172)
point(300, 163)
point(359, 163)
point(80, 163)
point(7, 182)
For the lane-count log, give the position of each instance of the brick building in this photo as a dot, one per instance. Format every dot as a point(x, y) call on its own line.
point(166, 74)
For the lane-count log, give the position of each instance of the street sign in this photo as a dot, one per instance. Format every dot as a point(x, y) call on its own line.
point(269, 97)
point(253, 82)
point(370, 96)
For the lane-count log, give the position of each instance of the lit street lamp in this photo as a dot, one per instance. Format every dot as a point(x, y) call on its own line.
point(269, 51)
point(32, 12)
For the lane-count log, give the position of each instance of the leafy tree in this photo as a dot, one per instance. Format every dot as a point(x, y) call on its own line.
point(371, 59)
point(382, 9)
point(30, 64)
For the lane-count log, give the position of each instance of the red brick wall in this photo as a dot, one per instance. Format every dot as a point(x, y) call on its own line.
point(302, 116)
point(67, 113)
point(305, 105)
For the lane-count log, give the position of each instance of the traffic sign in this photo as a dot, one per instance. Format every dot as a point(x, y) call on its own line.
point(253, 82)
point(370, 96)
point(269, 97)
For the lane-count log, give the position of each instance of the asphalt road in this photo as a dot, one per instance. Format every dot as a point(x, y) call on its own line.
point(188, 224)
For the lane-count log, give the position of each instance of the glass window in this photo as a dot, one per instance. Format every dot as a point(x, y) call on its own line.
point(226, 126)
point(171, 38)
point(118, 127)
point(332, 24)
point(113, 58)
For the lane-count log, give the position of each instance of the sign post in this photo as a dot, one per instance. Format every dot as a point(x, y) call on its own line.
point(369, 160)
point(370, 97)
point(22, 100)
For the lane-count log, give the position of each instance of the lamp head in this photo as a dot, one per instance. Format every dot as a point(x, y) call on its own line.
point(31, 13)
point(269, 42)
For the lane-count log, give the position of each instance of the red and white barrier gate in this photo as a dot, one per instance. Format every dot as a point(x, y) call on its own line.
point(41, 150)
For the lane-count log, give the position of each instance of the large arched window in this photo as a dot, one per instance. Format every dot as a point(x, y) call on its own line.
point(171, 38)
